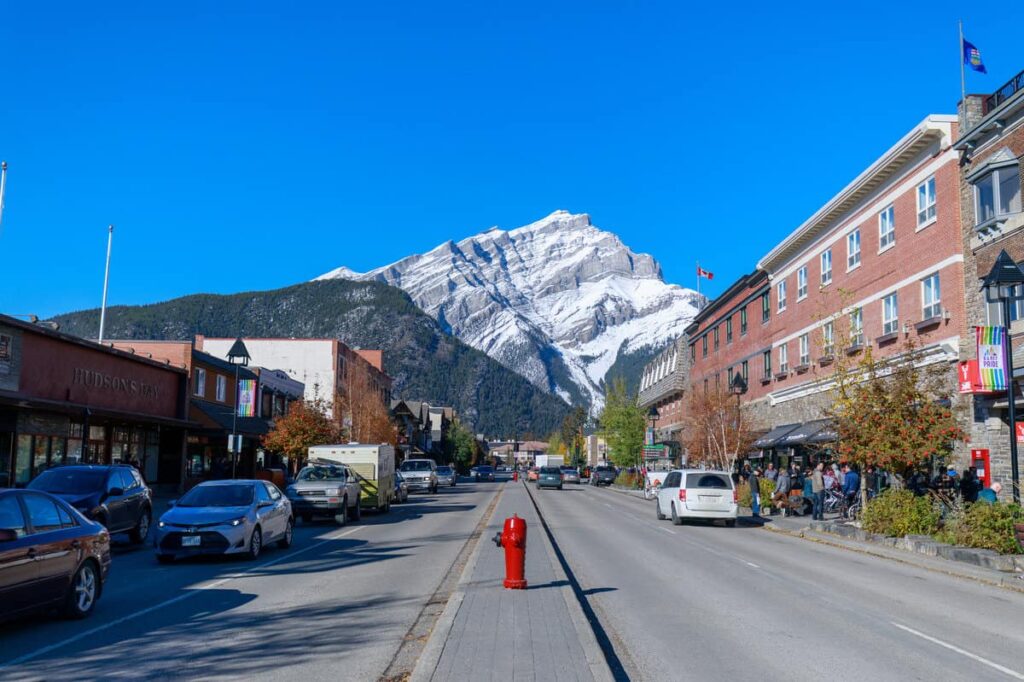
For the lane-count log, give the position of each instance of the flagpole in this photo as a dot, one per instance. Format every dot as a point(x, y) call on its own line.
point(698, 285)
point(3, 186)
point(106, 282)
point(963, 77)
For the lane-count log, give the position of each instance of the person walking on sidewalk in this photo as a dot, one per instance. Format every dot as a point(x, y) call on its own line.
point(771, 473)
point(818, 489)
point(754, 481)
point(780, 499)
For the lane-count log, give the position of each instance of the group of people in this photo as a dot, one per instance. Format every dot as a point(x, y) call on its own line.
point(792, 485)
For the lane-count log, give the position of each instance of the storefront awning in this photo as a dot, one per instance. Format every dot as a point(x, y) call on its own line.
point(772, 438)
point(818, 431)
point(222, 419)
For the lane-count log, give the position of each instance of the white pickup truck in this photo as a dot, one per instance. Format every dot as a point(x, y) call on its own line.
point(325, 489)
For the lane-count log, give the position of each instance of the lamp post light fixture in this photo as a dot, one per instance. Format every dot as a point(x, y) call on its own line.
point(238, 355)
point(1003, 284)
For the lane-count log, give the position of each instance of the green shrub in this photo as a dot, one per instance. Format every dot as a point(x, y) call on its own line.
point(985, 526)
point(629, 480)
point(766, 487)
point(899, 512)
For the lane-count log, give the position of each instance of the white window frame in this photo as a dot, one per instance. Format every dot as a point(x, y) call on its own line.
point(857, 327)
point(995, 174)
point(826, 267)
point(801, 283)
point(805, 349)
point(783, 358)
point(780, 294)
point(887, 228)
point(828, 337)
point(222, 388)
point(890, 314)
point(853, 254)
point(199, 381)
point(926, 207)
point(931, 296)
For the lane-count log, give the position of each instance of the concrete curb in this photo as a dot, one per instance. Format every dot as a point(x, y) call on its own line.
point(1010, 581)
point(596, 661)
point(432, 650)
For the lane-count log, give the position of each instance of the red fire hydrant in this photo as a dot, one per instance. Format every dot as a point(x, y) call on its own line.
point(515, 475)
point(513, 539)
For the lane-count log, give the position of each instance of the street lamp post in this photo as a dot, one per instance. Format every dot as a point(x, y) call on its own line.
point(1003, 285)
point(738, 387)
point(238, 356)
point(653, 415)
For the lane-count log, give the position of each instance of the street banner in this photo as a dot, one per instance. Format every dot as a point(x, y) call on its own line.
point(649, 438)
point(992, 358)
point(1020, 432)
point(247, 398)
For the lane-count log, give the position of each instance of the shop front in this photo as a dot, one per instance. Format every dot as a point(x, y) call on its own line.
point(802, 444)
point(64, 400)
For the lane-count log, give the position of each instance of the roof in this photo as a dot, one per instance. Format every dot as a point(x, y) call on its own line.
point(221, 415)
point(817, 431)
point(220, 363)
point(726, 297)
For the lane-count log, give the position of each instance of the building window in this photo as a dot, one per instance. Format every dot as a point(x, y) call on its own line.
point(715, 332)
point(766, 359)
point(783, 358)
point(931, 297)
point(826, 267)
point(890, 314)
point(853, 249)
point(743, 321)
point(994, 311)
point(199, 381)
point(718, 380)
point(728, 330)
point(926, 201)
point(780, 291)
point(801, 283)
point(704, 346)
point(805, 350)
point(731, 374)
point(886, 228)
point(745, 370)
point(828, 338)
point(766, 307)
point(222, 388)
point(997, 194)
point(705, 386)
point(693, 352)
point(856, 327)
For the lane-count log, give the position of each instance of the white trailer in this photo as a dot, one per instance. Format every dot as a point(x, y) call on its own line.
point(550, 461)
point(374, 466)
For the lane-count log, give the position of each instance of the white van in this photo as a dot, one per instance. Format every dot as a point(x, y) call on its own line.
point(697, 494)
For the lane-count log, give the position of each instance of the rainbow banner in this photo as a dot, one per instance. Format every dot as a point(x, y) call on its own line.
point(247, 398)
point(992, 358)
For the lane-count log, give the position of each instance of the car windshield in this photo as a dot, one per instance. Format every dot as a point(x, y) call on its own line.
point(486, 468)
point(415, 465)
point(550, 470)
point(321, 473)
point(444, 470)
point(69, 481)
point(218, 496)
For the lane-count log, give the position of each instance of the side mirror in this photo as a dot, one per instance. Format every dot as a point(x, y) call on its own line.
point(351, 479)
point(172, 503)
point(115, 492)
point(8, 535)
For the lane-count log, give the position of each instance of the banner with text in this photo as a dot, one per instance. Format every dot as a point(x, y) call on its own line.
point(247, 398)
point(992, 358)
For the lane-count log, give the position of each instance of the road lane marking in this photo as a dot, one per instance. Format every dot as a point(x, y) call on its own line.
point(174, 600)
point(750, 564)
point(1012, 673)
point(667, 530)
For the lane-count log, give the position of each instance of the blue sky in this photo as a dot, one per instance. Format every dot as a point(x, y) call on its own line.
point(241, 146)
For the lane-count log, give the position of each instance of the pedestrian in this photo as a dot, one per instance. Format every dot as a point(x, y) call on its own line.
point(818, 491)
point(991, 495)
point(828, 477)
point(970, 486)
point(851, 482)
point(754, 481)
point(780, 499)
point(771, 473)
point(871, 481)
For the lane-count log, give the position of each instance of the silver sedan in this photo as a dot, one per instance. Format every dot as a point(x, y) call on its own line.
point(225, 517)
point(570, 475)
point(446, 476)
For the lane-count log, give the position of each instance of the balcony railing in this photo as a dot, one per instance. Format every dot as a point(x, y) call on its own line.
point(1012, 87)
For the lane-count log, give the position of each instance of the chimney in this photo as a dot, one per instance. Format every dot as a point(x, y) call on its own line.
point(971, 110)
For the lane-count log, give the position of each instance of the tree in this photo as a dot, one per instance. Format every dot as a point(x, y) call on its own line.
point(556, 446)
point(717, 430)
point(305, 425)
point(571, 433)
point(622, 424)
point(362, 410)
point(461, 445)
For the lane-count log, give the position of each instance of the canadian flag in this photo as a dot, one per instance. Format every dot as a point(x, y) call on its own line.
point(704, 273)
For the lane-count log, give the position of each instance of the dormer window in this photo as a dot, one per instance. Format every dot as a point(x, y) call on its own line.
point(996, 189)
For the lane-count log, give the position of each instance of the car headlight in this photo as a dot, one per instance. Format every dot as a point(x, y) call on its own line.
point(332, 492)
point(235, 522)
point(160, 524)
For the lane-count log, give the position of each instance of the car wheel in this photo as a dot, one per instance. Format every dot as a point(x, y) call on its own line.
point(141, 529)
point(357, 511)
point(657, 507)
point(342, 518)
point(559, 487)
point(83, 592)
point(255, 543)
point(286, 540)
point(676, 521)
point(730, 523)
point(165, 558)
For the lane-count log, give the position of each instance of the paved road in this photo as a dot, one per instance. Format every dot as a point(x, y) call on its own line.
point(709, 602)
point(335, 606)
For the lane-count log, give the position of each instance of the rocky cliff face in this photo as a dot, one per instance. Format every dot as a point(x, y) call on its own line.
point(558, 301)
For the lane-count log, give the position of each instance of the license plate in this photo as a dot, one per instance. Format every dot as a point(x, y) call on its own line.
point(710, 498)
point(190, 540)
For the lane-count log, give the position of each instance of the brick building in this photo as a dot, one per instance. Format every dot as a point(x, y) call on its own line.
point(663, 387)
point(992, 149)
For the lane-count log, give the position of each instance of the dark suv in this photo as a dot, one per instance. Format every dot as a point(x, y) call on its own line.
point(603, 474)
point(115, 496)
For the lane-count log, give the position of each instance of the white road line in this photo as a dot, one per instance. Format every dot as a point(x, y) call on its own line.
point(752, 565)
point(1012, 673)
point(607, 505)
point(174, 600)
point(667, 530)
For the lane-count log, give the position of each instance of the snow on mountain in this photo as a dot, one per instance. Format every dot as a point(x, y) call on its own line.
point(557, 300)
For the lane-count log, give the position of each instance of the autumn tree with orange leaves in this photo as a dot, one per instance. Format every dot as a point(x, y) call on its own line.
point(306, 424)
point(365, 417)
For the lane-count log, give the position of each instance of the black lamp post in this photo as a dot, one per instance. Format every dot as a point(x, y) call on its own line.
point(737, 387)
point(238, 356)
point(653, 415)
point(1003, 285)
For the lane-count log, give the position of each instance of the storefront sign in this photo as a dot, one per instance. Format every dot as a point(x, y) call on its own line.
point(114, 384)
point(247, 398)
point(992, 358)
point(1020, 432)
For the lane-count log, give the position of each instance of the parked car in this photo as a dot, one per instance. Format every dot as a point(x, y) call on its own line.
point(484, 473)
point(225, 517)
point(603, 474)
point(570, 475)
point(420, 474)
point(325, 490)
point(446, 476)
point(549, 477)
point(532, 473)
point(114, 496)
point(51, 555)
point(696, 493)
point(401, 488)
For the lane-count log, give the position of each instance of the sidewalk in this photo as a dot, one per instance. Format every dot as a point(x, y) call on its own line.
point(489, 633)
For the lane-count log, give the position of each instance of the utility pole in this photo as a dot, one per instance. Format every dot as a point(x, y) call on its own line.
point(106, 282)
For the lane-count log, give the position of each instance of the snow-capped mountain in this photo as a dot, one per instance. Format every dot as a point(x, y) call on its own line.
point(557, 300)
